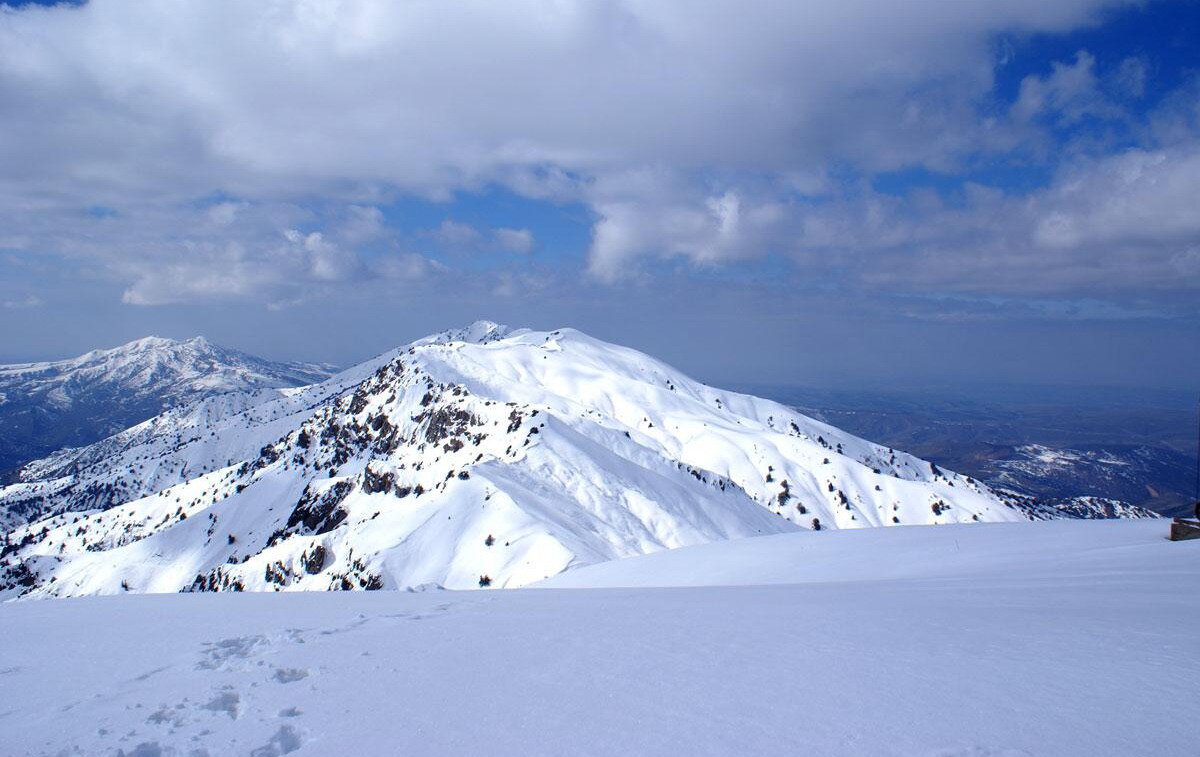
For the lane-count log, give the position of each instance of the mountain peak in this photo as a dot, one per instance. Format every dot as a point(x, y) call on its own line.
point(143, 344)
point(158, 343)
point(485, 457)
point(83, 399)
point(479, 332)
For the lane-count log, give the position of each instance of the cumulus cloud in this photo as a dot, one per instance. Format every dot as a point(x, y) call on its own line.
point(1112, 226)
point(705, 132)
point(267, 252)
point(436, 97)
point(362, 223)
point(457, 237)
point(1133, 198)
point(704, 230)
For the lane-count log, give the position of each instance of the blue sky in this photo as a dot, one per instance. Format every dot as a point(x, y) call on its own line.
point(855, 193)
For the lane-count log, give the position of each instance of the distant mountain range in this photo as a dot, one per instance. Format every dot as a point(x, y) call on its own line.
point(473, 458)
point(47, 406)
point(1135, 446)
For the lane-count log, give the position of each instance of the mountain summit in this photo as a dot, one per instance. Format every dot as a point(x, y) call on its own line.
point(74, 402)
point(480, 457)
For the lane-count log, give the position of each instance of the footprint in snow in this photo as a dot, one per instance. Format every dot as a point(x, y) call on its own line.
point(227, 702)
point(290, 675)
point(217, 654)
point(285, 741)
point(221, 655)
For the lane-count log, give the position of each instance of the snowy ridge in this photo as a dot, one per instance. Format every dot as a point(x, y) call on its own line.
point(152, 366)
point(168, 449)
point(494, 462)
point(75, 402)
point(181, 443)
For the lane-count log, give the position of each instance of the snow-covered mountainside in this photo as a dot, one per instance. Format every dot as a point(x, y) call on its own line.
point(1089, 508)
point(496, 461)
point(70, 403)
point(1120, 472)
point(184, 442)
point(1131, 445)
point(1065, 638)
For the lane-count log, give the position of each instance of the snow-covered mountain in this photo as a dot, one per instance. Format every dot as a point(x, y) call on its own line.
point(1081, 507)
point(69, 403)
point(475, 457)
point(1116, 471)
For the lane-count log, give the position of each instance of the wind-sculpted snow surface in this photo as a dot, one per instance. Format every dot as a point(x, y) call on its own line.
point(1069, 638)
point(492, 462)
point(1061, 547)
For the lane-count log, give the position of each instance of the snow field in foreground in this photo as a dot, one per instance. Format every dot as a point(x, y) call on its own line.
point(1070, 638)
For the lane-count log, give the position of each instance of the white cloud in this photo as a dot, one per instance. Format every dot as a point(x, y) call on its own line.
point(457, 237)
point(704, 230)
point(1133, 197)
point(160, 97)
point(514, 240)
point(168, 257)
point(203, 271)
point(402, 267)
point(362, 223)
point(225, 213)
point(708, 132)
point(326, 261)
point(1109, 226)
point(1069, 93)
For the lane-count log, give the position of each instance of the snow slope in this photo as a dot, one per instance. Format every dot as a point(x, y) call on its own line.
point(1063, 638)
point(75, 402)
point(1061, 547)
point(496, 461)
point(169, 449)
point(1153, 475)
point(183, 442)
